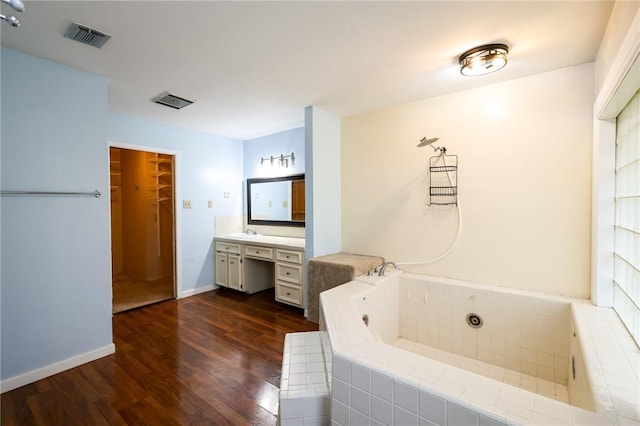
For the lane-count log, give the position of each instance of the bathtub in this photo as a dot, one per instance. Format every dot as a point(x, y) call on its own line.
point(411, 349)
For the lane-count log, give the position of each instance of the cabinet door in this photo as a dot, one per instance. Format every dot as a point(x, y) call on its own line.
point(234, 272)
point(221, 270)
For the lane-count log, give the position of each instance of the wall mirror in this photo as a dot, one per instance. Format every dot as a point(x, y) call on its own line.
point(276, 201)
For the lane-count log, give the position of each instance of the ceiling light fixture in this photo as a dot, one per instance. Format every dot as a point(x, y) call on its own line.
point(483, 60)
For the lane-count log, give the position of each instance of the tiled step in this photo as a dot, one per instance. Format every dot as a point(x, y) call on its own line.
point(304, 387)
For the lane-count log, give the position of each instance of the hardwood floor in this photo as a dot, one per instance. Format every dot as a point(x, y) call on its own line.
point(210, 359)
point(130, 293)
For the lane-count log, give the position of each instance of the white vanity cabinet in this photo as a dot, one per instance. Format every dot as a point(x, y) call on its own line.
point(256, 263)
point(290, 277)
point(229, 265)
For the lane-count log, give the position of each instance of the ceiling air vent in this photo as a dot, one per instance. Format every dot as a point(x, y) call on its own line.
point(86, 35)
point(172, 101)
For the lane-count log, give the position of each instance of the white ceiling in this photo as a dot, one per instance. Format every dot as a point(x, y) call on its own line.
point(252, 67)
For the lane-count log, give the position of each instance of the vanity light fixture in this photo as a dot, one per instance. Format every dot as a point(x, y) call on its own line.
point(18, 6)
point(283, 160)
point(483, 60)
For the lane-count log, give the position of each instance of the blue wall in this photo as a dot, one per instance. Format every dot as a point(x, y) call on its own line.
point(55, 293)
point(210, 166)
point(285, 143)
point(55, 258)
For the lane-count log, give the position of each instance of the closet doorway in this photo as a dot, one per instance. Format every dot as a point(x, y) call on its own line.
point(142, 228)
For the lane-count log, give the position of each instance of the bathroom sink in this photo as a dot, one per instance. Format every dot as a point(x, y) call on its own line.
point(242, 235)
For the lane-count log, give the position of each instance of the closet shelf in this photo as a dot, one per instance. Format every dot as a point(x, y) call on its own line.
point(155, 160)
point(160, 186)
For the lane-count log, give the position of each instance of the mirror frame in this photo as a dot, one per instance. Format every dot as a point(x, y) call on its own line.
point(251, 221)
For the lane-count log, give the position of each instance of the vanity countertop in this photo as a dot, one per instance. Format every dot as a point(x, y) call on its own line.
point(264, 240)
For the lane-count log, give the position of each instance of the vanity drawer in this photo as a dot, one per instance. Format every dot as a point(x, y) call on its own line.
point(290, 273)
point(289, 293)
point(228, 247)
point(259, 252)
point(289, 256)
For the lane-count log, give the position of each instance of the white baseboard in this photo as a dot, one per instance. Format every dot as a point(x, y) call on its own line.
point(60, 366)
point(198, 290)
point(55, 368)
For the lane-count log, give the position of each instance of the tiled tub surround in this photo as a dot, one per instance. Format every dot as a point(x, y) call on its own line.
point(527, 340)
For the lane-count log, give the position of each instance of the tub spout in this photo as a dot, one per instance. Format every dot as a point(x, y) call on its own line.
point(384, 266)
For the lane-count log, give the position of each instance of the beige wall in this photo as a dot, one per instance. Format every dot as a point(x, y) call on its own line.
point(524, 150)
point(620, 21)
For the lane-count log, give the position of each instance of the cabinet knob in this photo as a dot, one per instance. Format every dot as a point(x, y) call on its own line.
point(288, 273)
point(257, 252)
point(231, 263)
point(222, 261)
point(287, 256)
point(288, 294)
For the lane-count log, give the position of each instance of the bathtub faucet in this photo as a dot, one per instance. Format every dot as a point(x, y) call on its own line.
point(384, 266)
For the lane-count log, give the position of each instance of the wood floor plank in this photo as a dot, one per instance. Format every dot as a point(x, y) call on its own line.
point(210, 359)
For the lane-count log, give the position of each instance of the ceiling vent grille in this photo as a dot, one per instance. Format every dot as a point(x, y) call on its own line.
point(172, 101)
point(86, 35)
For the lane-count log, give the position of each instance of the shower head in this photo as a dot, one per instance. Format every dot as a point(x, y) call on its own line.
point(15, 4)
point(428, 142)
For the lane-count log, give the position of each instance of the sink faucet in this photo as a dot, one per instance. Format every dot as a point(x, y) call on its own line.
point(250, 231)
point(384, 266)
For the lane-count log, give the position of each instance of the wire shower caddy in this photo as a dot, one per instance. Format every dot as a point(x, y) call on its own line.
point(443, 179)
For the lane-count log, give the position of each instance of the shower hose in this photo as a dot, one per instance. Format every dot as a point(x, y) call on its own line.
point(455, 241)
point(446, 253)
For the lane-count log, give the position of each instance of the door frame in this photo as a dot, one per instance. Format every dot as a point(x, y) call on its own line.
point(177, 173)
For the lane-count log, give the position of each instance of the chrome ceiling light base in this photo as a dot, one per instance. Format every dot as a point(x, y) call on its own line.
point(483, 60)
